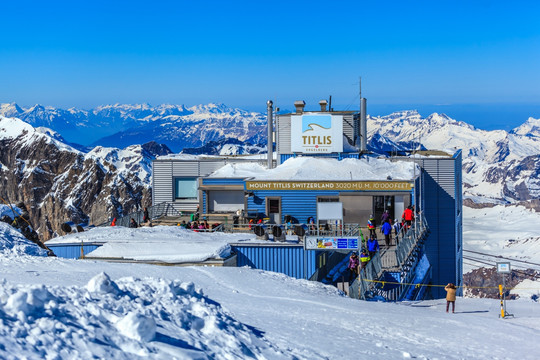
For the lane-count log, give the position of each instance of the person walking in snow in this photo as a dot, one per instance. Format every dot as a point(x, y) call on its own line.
point(371, 226)
point(450, 296)
point(353, 266)
point(372, 246)
point(386, 229)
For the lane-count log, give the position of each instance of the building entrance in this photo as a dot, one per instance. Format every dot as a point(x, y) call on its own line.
point(274, 210)
point(380, 204)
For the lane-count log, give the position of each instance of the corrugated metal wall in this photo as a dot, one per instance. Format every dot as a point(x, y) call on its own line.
point(162, 185)
point(293, 260)
point(348, 128)
point(72, 251)
point(283, 142)
point(208, 167)
point(441, 202)
point(185, 168)
point(459, 221)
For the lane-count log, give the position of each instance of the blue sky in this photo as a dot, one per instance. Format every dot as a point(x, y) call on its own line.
point(422, 54)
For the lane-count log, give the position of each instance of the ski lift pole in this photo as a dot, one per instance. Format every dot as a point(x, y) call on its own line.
point(503, 268)
point(501, 294)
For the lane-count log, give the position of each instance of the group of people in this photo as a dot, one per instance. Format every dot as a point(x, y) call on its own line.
point(387, 227)
point(195, 225)
point(356, 263)
point(371, 246)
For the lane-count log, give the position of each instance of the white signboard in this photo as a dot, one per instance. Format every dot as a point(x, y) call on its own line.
point(318, 133)
point(329, 211)
point(503, 268)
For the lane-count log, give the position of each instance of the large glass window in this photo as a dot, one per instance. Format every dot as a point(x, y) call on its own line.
point(185, 188)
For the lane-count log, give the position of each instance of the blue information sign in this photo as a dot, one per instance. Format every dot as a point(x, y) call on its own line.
point(316, 243)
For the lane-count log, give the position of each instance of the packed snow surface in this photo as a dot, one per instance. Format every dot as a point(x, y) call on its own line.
point(172, 244)
point(512, 232)
point(53, 308)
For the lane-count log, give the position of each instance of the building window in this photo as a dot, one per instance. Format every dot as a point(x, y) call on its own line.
point(185, 188)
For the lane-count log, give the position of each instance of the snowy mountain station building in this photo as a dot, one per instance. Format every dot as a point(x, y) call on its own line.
point(323, 179)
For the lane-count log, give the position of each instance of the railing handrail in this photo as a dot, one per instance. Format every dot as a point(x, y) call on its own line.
point(154, 212)
point(410, 240)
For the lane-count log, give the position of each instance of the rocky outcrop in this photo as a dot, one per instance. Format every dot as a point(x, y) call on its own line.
point(60, 184)
point(484, 282)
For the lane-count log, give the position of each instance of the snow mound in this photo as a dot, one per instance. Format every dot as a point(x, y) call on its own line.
point(123, 319)
point(102, 284)
point(137, 326)
point(13, 243)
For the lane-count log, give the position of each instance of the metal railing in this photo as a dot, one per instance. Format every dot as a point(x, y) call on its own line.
point(154, 212)
point(372, 271)
point(348, 230)
point(405, 259)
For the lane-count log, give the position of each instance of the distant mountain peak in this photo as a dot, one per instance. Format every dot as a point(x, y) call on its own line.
point(529, 128)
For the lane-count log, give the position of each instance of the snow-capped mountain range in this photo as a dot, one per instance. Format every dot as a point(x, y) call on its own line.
point(123, 125)
point(499, 167)
point(61, 181)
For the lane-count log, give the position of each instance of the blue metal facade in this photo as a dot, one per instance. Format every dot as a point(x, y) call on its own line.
point(72, 251)
point(222, 181)
point(441, 201)
point(299, 204)
point(291, 260)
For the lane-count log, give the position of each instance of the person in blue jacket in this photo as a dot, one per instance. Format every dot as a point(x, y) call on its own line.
point(386, 229)
point(372, 246)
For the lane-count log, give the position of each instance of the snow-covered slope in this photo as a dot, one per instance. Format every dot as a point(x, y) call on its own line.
point(54, 308)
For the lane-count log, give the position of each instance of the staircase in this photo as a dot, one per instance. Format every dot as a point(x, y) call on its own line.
point(396, 273)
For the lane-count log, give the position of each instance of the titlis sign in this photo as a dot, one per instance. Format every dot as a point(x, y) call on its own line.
point(316, 133)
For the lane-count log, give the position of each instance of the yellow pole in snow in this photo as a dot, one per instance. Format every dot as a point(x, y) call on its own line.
point(501, 296)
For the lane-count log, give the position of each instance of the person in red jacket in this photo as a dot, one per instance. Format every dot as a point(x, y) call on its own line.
point(408, 216)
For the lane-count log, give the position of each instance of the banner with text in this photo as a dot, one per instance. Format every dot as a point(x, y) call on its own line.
point(331, 243)
point(317, 133)
point(330, 185)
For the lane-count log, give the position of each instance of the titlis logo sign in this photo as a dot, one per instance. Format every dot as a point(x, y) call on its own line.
point(316, 133)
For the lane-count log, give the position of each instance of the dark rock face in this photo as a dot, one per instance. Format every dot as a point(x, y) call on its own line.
point(156, 149)
point(484, 282)
point(59, 184)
